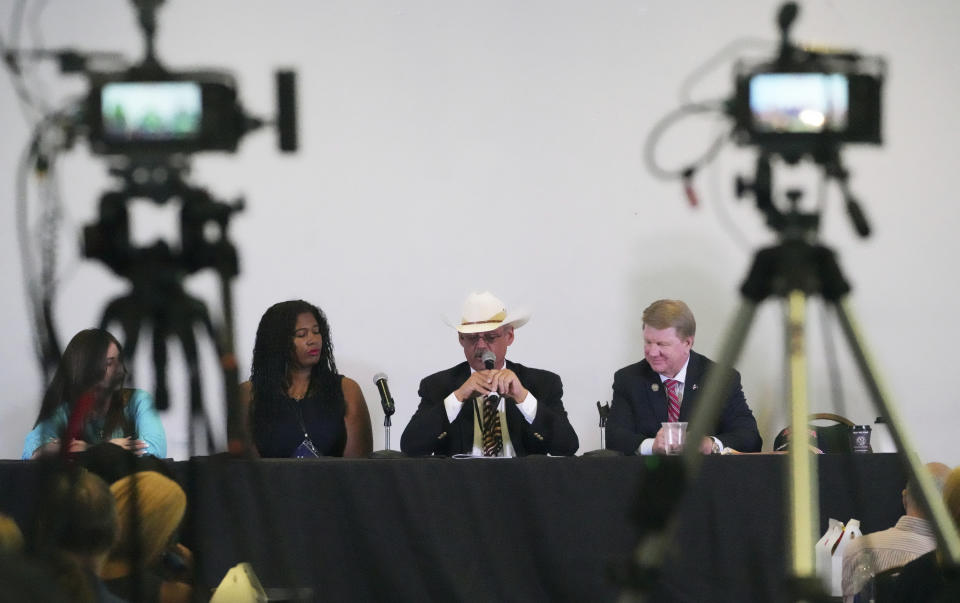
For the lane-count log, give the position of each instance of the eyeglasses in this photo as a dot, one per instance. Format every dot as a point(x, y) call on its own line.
point(474, 338)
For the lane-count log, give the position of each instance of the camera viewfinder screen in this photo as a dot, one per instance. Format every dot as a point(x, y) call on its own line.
point(799, 103)
point(151, 110)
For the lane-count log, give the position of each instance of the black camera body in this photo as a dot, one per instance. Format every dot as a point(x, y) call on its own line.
point(156, 112)
point(808, 102)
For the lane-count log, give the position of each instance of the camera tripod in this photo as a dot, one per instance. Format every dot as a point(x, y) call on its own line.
point(795, 269)
point(157, 296)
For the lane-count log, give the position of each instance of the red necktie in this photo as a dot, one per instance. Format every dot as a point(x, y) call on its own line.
point(673, 397)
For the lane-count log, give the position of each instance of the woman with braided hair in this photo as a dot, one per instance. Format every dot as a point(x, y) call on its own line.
point(297, 403)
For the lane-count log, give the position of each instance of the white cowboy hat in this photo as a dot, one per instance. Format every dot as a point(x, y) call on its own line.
point(483, 312)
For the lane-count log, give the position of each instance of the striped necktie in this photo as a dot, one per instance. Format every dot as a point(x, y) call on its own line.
point(673, 398)
point(492, 437)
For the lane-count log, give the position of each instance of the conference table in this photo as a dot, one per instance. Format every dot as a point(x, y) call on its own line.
point(527, 529)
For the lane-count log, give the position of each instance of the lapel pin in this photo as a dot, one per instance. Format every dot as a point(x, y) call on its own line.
point(694, 386)
point(654, 387)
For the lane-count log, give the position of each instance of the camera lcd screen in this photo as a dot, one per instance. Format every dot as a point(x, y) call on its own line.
point(151, 111)
point(799, 103)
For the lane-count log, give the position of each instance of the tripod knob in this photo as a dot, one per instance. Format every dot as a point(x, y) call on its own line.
point(742, 186)
point(794, 195)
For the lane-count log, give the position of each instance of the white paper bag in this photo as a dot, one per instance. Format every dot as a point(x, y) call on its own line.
point(829, 554)
point(850, 531)
point(824, 553)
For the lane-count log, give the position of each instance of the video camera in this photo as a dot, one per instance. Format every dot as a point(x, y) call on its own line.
point(807, 101)
point(799, 108)
point(151, 111)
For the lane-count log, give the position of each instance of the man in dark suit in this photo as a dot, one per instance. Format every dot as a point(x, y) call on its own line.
point(507, 410)
point(672, 374)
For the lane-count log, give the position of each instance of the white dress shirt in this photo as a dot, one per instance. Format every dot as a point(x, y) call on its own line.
point(528, 408)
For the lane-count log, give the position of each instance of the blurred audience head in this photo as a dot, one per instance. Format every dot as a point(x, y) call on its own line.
point(76, 527)
point(951, 495)
point(150, 507)
point(77, 514)
point(911, 495)
point(11, 538)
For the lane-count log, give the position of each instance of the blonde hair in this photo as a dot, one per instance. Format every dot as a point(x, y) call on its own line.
point(11, 538)
point(160, 505)
point(951, 495)
point(666, 313)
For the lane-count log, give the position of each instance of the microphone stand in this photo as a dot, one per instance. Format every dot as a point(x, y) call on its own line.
point(386, 453)
point(386, 431)
point(604, 410)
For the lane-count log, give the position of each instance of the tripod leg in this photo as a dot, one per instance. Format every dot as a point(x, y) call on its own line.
point(710, 404)
point(802, 474)
point(933, 503)
point(159, 346)
point(197, 411)
point(238, 436)
point(803, 484)
point(125, 312)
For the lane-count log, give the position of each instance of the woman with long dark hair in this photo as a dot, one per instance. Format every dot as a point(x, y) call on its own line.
point(87, 387)
point(298, 404)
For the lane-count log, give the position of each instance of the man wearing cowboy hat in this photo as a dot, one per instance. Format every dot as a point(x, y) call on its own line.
point(663, 387)
point(506, 410)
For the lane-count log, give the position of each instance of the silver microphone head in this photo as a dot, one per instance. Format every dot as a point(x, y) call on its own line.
point(489, 359)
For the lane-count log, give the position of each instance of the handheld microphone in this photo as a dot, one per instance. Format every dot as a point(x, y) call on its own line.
point(489, 359)
point(380, 380)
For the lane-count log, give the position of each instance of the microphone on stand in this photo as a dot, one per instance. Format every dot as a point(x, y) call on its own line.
point(380, 380)
point(386, 401)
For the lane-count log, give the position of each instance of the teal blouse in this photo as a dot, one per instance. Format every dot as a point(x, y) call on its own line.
point(140, 412)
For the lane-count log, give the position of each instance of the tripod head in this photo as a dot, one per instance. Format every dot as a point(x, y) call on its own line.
point(792, 223)
point(204, 221)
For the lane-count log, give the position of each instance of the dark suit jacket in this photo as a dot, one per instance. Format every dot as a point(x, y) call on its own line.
point(431, 432)
point(638, 408)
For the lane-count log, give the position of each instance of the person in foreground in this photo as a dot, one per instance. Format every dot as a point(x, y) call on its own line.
point(928, 577)
point(87, 397)
point(297, 403)
point(150, 507)
point(507, 410)
point(76, 527)
point(911, 537)
point(663, 387)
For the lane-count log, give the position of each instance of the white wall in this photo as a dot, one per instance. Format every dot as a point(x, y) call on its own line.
point(457, 145)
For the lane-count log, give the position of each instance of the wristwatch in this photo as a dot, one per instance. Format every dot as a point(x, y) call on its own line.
point(716, 447)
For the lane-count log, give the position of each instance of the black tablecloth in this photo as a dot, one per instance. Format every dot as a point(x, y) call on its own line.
point(533, 529)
